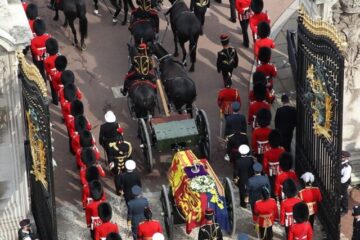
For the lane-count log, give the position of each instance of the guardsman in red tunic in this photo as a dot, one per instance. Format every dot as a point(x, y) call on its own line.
point(90, 162)
point(52, 51)
point(148, 227)
point(271, 158)
point(301, 229)
point(71, 110)
point(91, 211)
point(80, 155)
point(310, 195)
point(226, 97)
point(37, 46)
point(260, 77)
point(73, 93)
point(264, 40)
point(31, 14)
point(67, 77)
point(286, 162)
point(258, 16)
point(244, 13)
point(92, 174)
point(259, 103)
point(286, 206)
point(266, 67)
point(77, 124)
point(260, 135)
point(265, 212)
point(55, 77)
point(82, 140)
point(105, 214)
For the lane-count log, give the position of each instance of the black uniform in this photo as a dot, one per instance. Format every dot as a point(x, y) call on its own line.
point(356, 229)
point(210, 232)
point(199, 7)
point(124, 182)
point(233, 144)
point(118, 153)
point(227, 60)
point(243, 171)
point(109, 133)
point(25, 235)
point(285, 122)
point(235, 122)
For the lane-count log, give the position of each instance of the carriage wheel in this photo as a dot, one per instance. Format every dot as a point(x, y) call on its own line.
point(230, 204)
point(168, 218)
point(146, 145)
point(203, 126)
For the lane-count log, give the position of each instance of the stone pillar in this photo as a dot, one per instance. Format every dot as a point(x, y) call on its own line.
point(319, 8)
point(15, 34)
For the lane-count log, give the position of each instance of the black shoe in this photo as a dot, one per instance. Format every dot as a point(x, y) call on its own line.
point(246, 45)
point(232, 20)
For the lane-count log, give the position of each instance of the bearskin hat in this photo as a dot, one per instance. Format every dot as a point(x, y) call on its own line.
point(147, 213)
point(86, 139)
point(80, 123)
point(286, 161)
point(39, 27)
point(88, 156)
point(77, 107)
point(289, 188)
point(301, 212)
point(259, 77)
point(67, 77)
point(52, 46)
point(70, 92)
point(32, 11)
point(113, 236)
point(275, 138)
point(96, 189)
point(60, 63)
point(264, 54)
point(259, 91)
point(263, 117)
point(105, 211)
point(257, 6)
point(92, 173)
point(264, 30)
point(265, 193)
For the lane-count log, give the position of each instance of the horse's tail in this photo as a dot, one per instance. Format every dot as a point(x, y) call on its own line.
point(84, 26)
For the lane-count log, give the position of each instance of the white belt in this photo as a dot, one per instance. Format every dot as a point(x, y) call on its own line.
point(289, 220)
point(95, 221)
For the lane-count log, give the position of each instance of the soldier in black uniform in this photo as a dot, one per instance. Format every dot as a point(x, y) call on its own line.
point(210, 230)
point(356, 223)
point(25, 232)
point(227, 58)
point(199, 7)
point(110, 131)
point(118, 153)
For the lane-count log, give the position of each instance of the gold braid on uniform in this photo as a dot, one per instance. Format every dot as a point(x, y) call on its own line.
point(229, 55)
point(202, 3)
point(142, 64)
point(213, 232)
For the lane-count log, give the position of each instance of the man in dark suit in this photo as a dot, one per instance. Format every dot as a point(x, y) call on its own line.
point(285, 121)
point(136, 210)
point(243, 170)
point(124, 182)
point(110, 131)
point(236, 121)
point(255, 184)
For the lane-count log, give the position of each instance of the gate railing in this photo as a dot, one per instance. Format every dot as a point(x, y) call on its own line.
point(319, 86)
point(38, 150)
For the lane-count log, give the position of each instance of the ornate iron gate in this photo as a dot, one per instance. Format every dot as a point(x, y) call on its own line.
point(38, 149)
point(319, 89)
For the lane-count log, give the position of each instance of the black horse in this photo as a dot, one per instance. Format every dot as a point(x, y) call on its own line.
point(179, 88)
point(143, 98)
point(74, 9)
point(185, 27)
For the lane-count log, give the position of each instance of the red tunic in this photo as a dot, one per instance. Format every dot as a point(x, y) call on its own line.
point(86, 199)
point(265, 212)
point(83, 173)
point(49, 65)
point(311, 196)
point(225, 98)
point(254, 108)
point(147, 229)
point(25, 5)
point(37, 46)
point(263, 42)
point(260, 135)
point(70, 124)
point(55, 80)
point(242, 5)
point(269, 98)
point(270, 72)
point(301, 231)
point(62, 96)
point(271, 161)
point(257, 18)
point(75, 142)
point(286, 211)
point(65, 109)
point(104, 229)
point(79, 162)
point(92, 215)
point(280, 179)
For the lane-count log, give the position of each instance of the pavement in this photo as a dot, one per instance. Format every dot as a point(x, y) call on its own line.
point(100, 71)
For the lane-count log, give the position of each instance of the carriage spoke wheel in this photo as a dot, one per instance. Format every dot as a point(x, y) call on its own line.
point(146, 145)
point(230, 204)
point(168, 218)
point(203, 127)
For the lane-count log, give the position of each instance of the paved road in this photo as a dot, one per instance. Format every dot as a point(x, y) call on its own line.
point(102, 67)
